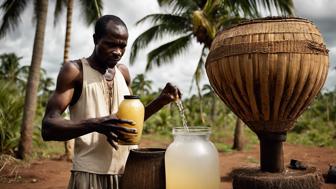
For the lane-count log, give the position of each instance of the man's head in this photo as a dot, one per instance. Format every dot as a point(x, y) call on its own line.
point(110, 40)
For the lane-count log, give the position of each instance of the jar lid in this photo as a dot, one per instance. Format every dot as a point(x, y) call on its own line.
point(131, 97)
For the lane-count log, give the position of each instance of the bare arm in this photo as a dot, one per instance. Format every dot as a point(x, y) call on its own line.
point(169, 94)
point(54, 127)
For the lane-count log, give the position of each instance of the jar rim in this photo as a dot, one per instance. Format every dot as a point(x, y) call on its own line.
point(193, 130)
point(131, 97)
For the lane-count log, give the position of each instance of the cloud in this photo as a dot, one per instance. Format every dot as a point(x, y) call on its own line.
point(315, 9)
point(322, 13)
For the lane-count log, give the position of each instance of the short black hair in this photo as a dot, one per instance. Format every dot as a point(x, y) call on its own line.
point(101, 24)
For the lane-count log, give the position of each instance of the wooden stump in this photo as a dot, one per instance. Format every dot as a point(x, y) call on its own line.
point(253, 178)
point(144, 169)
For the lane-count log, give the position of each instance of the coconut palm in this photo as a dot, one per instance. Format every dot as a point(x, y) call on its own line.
point(12, 10)
point(195, 19)
point(10, 67)
point(141, 86)
point(198, 20)
point(91, 10)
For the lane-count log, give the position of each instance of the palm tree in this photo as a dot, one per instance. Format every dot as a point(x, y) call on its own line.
point(198, 20)
point(92, 11)
point(12, 11)
point(10, 67)
point(141, 86)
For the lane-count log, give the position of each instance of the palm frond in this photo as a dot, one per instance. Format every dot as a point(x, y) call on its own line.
point(60, 4)
point(207, 87)
point(211, 6)
point(90, 12)
point(175, 19)
point(12, 10)
point(250, 8)
point(166, 52)
point(285, 7)
point(181, 5)
point(152, 34)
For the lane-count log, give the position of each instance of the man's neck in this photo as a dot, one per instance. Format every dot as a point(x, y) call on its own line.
point(95, 64)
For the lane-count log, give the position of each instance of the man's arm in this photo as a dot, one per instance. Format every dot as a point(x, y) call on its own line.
point(54, 127)
point(169, 94)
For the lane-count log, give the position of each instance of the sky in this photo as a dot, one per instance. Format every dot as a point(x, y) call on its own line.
point(179, 72)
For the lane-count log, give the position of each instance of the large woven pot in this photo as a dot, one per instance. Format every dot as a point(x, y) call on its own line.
point(268, 71)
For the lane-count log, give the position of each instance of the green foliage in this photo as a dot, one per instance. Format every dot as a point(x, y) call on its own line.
point(141, 86)
point(12, 86)
point(11, 17)
point(317, 125)
point(11, 105)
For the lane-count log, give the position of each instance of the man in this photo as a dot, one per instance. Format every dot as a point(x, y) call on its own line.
point(93, 88)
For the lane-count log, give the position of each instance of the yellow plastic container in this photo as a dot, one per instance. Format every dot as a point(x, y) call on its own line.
point(131, 108)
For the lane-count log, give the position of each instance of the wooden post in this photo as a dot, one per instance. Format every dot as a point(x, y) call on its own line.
point(271, 152)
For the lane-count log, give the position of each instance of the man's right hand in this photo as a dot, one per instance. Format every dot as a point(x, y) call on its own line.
point(110, 127)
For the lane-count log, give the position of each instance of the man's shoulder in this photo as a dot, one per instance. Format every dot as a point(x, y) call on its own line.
point(71, 70)
point(122, 67)
point(124, 70)
point(73, 65)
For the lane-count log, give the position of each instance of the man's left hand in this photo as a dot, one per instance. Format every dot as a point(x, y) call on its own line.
point(169, 94)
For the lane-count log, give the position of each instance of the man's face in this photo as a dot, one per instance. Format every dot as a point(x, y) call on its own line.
point(111, 47)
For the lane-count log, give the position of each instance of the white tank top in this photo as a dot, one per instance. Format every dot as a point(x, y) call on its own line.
point(92, 152)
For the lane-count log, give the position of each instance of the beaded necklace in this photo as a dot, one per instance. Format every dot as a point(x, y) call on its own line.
point(108, 81)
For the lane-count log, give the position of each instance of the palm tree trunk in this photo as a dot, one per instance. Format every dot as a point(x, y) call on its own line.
point(201, 102)
point(68, 31)
point(25, 144)
point(68, 145)
point(238, 136)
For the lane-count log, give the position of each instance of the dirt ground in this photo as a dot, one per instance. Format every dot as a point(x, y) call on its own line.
point(54, 174)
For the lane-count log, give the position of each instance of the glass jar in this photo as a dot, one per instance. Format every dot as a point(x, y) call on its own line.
point(131, 108)
point(191, 160)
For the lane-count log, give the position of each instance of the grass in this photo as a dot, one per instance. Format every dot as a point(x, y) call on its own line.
point(251, 159)
point(48, 150)
point(9, 168)
point(158, 138)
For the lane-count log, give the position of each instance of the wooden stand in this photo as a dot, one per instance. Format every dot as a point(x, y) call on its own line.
point(253, 178)
point(271, 152)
